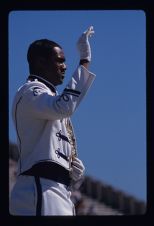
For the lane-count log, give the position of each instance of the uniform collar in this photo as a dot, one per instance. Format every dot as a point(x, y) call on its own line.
point(47, 83)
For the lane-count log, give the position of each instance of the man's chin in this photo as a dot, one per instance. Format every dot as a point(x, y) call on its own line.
point(60, 79)
point(62, 76)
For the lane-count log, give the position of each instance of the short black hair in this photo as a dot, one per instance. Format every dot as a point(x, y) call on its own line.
point(42, 48)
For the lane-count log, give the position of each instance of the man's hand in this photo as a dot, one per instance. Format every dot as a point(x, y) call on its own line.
point(77, 169)
point(83, 44)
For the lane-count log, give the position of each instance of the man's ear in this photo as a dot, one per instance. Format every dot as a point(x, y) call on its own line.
point(41, 61)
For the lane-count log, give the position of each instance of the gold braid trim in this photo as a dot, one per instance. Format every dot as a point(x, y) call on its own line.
point(72, 140)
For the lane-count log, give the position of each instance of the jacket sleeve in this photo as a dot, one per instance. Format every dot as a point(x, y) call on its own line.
point(42, 104)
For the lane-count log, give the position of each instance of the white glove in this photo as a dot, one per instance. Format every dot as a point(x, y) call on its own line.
point(77, 170)
point(83, 44)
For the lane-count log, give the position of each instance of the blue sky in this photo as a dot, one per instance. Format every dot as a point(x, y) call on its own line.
point(110, 123)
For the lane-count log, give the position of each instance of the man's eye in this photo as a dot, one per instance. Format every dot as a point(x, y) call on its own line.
point(60, 61)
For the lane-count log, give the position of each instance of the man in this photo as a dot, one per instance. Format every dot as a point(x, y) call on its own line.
point(48, 165)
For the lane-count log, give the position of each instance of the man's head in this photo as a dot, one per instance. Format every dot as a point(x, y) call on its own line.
point(46, 59)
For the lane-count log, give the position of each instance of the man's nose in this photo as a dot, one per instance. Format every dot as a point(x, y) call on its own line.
point(64, 66)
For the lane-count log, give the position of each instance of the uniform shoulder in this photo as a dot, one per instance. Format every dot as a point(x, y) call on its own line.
point(38, 84)
point(36, 87)
point(30, 85)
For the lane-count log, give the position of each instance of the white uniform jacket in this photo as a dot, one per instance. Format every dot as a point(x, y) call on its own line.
point(40, 117)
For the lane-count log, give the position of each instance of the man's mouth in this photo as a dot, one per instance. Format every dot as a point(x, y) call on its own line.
point(62, 74)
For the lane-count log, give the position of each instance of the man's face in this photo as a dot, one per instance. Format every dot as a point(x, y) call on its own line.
point(55, 67)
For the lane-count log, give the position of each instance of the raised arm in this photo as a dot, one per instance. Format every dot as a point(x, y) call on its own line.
point(83, 46)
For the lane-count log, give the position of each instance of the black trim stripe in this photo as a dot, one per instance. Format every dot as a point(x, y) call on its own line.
point(63, 156)
point(61, 136)
point(59, 154)
point(72, 91)
point(64, 138)
point(39, 196)
point(17, 128)
point(72, 94)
